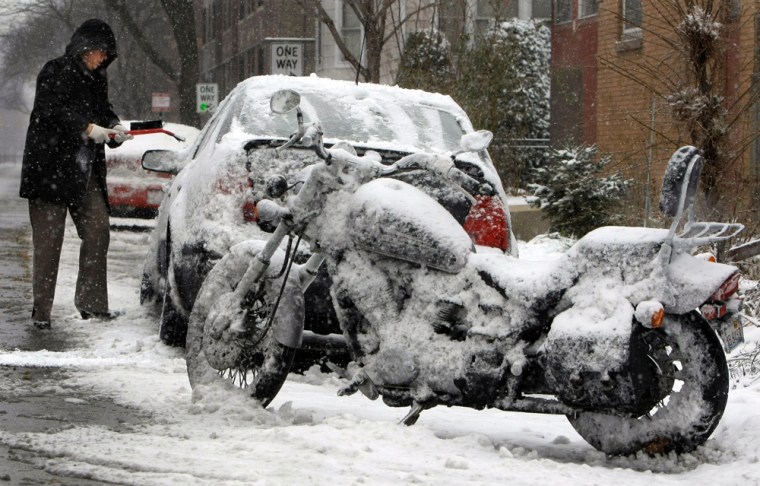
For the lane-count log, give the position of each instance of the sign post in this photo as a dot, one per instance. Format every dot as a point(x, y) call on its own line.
point(207, 97)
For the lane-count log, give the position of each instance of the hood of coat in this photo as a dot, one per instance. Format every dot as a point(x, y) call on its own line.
point(93, 34)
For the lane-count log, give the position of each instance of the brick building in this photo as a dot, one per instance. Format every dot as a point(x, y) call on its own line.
point(610, 67)
point(237, 39)
point(240, 38)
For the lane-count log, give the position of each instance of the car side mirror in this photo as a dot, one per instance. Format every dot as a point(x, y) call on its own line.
point(284, 101)
point(476, 141)
point(164, 161)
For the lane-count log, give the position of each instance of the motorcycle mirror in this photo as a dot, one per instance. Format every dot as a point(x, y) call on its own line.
point(284, 101)
point(476, 141)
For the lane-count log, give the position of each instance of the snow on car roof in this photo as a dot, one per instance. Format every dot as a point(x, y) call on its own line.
point(379, 116)
point(355, 91)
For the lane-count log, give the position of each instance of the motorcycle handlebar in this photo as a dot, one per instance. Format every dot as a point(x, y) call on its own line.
point(310, 136)
point(468, 183)
point(441, 165)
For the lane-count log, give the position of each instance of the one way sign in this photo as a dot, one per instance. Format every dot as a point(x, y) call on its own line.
point(206, 97)
point(287, 58)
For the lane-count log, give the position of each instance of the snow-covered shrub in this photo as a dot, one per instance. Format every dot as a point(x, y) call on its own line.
point(426, 61)
point(504, 86)
point(501, 78)
point(572, 193)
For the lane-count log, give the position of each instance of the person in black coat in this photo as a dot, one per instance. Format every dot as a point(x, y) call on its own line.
point(64, 168)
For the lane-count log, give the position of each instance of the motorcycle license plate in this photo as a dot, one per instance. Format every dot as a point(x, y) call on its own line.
point(732, 333)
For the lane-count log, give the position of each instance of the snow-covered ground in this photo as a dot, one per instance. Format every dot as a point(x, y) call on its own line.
point(309, 435)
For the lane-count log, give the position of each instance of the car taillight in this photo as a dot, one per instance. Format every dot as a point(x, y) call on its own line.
point(487, 223)
point(249, 212)
point(249, 207)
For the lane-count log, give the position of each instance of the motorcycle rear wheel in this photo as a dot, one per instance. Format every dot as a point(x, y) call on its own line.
point(685, 418)
point(257, 364)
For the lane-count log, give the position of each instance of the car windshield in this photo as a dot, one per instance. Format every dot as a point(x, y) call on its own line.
point(380, 122)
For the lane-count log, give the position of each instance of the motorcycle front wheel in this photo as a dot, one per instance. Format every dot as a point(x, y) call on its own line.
point(685, 418)
point(256, 363)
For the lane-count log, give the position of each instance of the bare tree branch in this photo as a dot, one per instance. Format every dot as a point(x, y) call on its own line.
point(134, 29)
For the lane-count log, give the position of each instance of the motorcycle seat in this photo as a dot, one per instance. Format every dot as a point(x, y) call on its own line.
point(526, 280)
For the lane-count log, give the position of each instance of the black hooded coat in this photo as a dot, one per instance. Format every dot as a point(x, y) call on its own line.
point(59, 159)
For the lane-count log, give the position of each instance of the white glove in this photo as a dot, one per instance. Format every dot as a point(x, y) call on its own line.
point(99, 134)
point(122, 134)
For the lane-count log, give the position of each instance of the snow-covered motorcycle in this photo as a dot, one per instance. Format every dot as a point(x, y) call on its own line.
point(619, 334)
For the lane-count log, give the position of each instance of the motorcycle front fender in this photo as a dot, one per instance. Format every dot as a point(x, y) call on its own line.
point(287, 327)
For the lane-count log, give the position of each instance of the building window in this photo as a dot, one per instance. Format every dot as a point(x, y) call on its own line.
point(350, 31)
point(541, 9)
point(488, 11)
point(587, 8)
point(563, 10)
point(632, 18)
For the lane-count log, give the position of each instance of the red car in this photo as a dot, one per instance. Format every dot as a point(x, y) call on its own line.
point(132, 190)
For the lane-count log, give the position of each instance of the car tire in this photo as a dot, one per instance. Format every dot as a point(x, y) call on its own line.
point(173, 324)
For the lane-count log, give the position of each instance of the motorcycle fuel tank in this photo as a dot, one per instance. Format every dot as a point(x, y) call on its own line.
point(398, 220)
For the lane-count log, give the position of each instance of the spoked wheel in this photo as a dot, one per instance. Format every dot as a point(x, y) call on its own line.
point(691, 359)
point(256, 362)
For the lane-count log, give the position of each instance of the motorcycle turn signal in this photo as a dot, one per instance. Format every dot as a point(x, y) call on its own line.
point(650, 314)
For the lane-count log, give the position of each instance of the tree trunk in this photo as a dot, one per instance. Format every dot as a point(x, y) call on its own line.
point(182, 19)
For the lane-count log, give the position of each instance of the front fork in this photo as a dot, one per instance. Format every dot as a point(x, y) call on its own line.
point(287, 332)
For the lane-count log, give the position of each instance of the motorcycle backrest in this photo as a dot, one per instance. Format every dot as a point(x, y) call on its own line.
point(679, 186)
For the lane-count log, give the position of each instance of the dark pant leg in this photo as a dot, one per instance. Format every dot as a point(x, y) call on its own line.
point(48, 224)
point(91, 220)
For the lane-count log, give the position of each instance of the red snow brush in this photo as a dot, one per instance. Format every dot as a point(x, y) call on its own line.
point(151, 126)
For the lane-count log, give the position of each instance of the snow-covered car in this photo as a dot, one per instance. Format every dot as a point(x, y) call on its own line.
point(132, 190)
point(211, 204)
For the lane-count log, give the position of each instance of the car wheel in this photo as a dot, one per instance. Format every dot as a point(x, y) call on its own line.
point(173, 325)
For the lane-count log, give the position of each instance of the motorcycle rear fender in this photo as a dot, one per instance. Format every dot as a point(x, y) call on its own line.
point(287, 327)
point(693, 281)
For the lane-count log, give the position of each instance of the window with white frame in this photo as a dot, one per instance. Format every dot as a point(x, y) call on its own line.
point(350, 31)
point(563, 10)
point(587, 8)
point(632, 17)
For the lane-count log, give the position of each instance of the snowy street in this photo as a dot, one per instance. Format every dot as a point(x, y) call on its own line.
point(109, 403)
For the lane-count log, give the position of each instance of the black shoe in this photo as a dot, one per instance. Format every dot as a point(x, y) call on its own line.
point(104, 316)
point(41, 324)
